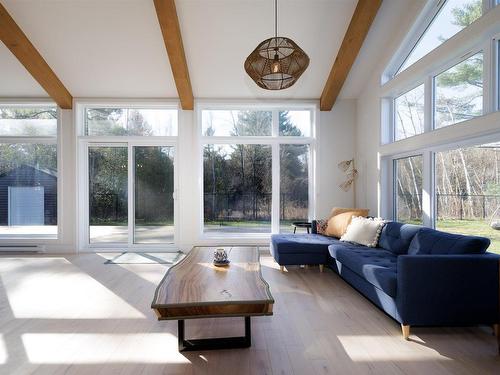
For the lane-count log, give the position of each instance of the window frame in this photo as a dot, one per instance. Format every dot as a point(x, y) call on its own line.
point(388, 112)
point(422, 25)
point(393, 109)
point(54, 140)
point(394, 161)
point(83, 142)
point(274, 140)
point(427, 15)
point(483, 35)
point(494, 69)
point(453, 63)
point(429, 208)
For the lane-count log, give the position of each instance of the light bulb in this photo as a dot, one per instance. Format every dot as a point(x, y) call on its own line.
point(276, 65)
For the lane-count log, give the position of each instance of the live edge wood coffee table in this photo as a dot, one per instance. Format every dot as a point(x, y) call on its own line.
point(194, 288)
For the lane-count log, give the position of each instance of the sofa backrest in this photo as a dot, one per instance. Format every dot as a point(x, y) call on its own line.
point(430, 241)
point(396, 237)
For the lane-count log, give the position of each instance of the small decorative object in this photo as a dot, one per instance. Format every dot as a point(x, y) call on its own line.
point(278, 62)
point(348, 167)
point(220, 257)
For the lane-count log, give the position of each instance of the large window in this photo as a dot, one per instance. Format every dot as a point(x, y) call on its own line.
point(28, 171)
point(154, 194)
point(294, 185)
point(237, 188)
point(453, 16)
point(243, 150)
point(452, 89)
point(233, 123)
point(448, 185)
point(109, 121)
point(409, 113)
point(459, 92)
point(468, 191)
point(128, 154)
point(108, 193)
point(408, 187)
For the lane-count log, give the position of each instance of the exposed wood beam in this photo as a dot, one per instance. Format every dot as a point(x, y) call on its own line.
point(169, 24)
point(363, 16)
point(18, 43)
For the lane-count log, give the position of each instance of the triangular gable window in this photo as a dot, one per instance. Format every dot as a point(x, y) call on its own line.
point(453, 16)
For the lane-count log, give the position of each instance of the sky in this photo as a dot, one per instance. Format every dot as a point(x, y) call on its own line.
point(441, 27)
point(222, 121)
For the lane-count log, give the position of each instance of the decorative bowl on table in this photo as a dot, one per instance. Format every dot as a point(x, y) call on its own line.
point(221, 258)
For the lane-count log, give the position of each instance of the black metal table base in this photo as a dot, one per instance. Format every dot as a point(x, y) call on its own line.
point(214, 343)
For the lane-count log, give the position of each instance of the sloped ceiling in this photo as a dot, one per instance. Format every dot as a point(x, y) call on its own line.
point(114, 48)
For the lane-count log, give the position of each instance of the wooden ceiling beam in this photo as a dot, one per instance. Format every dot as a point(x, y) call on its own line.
point(363, 16)
point(169, 24)
point(19, 44)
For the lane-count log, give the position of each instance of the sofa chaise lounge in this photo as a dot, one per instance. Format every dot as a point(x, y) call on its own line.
point(419, 276)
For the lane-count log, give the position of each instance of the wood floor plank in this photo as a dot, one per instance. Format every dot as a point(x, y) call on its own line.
point(320, 326)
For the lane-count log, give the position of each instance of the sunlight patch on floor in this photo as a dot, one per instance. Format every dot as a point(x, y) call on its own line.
point(373, 348)
point(146, 272)
point(152, 273)
point(82, 348)
point(68, 293)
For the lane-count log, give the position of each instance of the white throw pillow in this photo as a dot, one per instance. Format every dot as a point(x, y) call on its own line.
point(364, 231)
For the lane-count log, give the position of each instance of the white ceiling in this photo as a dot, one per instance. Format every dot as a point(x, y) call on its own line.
point(114, 48)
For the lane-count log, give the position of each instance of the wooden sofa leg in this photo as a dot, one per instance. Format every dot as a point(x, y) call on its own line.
point(406, 331)
point(282, 268)
point(321, 268)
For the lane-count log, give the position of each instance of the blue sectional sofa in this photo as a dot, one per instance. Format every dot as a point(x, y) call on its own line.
point(418, 276)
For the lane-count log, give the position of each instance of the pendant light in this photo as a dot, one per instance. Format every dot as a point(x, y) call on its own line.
point(278, 62)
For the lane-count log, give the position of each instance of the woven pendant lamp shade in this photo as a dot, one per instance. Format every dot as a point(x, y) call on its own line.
point(276, 63)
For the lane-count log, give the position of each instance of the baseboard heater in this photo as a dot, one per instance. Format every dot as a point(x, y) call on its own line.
point(22, 248)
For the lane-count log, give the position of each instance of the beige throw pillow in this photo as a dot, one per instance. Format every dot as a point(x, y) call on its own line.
point(339, 210)
point(364, 231)
point(337, 225)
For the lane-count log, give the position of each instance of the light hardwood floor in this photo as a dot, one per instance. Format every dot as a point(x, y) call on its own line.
point(76, 315)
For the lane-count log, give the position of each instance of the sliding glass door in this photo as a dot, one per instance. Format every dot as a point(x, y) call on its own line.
point(154, 194)
point(108, 193)
point(130, 194)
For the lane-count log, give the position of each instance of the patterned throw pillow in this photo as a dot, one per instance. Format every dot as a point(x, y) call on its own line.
point(321, 226)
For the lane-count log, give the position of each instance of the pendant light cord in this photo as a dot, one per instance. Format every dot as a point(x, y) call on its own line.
point(276, 18)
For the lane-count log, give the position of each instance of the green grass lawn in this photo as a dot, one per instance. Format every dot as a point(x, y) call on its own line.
point(238, 223)
point(472, 227)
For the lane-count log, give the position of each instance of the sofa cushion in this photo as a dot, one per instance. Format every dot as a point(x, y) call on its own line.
point(340, 210)
point(396, 237)
point(430, 241)
point(364, 231)
point(375, 265)
point(301, 243)
point(337, 225)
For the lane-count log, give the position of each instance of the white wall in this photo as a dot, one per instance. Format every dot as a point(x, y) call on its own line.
point(367, 137)
point(335, 144)
point(368, 114)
